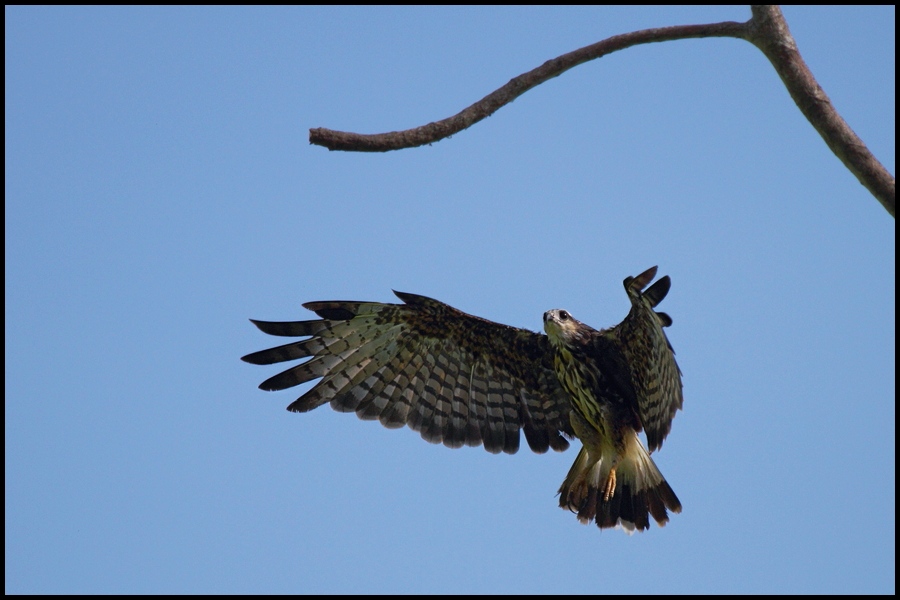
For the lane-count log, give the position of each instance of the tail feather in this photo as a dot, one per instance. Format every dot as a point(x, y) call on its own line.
point(641, 491)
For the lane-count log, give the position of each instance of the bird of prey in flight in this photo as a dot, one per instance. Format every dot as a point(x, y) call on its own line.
point(461, 380)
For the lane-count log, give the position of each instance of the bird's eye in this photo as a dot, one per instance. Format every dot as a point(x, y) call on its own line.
point(563, 315)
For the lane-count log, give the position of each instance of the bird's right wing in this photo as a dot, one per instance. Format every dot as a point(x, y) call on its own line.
point(454, 377)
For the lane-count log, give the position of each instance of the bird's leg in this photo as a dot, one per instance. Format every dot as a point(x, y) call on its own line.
point(610, 486)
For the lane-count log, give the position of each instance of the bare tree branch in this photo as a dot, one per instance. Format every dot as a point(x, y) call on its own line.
point(767, 30)
point(433, 132)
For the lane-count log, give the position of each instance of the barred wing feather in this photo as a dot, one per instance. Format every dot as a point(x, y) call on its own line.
point(455, 378)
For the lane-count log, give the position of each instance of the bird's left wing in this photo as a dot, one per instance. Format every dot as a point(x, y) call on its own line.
point(655, 374)
point(454, 377)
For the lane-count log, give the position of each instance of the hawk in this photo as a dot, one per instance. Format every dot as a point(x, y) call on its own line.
point(461, 380)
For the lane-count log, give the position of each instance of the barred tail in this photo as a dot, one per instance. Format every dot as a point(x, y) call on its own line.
point(640, 490)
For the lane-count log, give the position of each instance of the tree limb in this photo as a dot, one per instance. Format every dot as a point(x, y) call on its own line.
point(436, 131)
point(767, 30)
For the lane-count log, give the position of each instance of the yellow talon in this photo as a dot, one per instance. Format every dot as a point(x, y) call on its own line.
point(610, 487)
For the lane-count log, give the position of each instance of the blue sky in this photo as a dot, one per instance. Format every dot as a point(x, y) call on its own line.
point(160, 191)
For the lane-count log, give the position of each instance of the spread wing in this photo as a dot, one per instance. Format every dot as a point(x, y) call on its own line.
point(654, 372)
point(455, 378)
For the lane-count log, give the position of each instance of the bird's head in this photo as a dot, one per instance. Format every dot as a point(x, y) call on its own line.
point(563, 328)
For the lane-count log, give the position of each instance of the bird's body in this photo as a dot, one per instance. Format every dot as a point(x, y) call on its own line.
point(618, 380)
point(462, 380)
